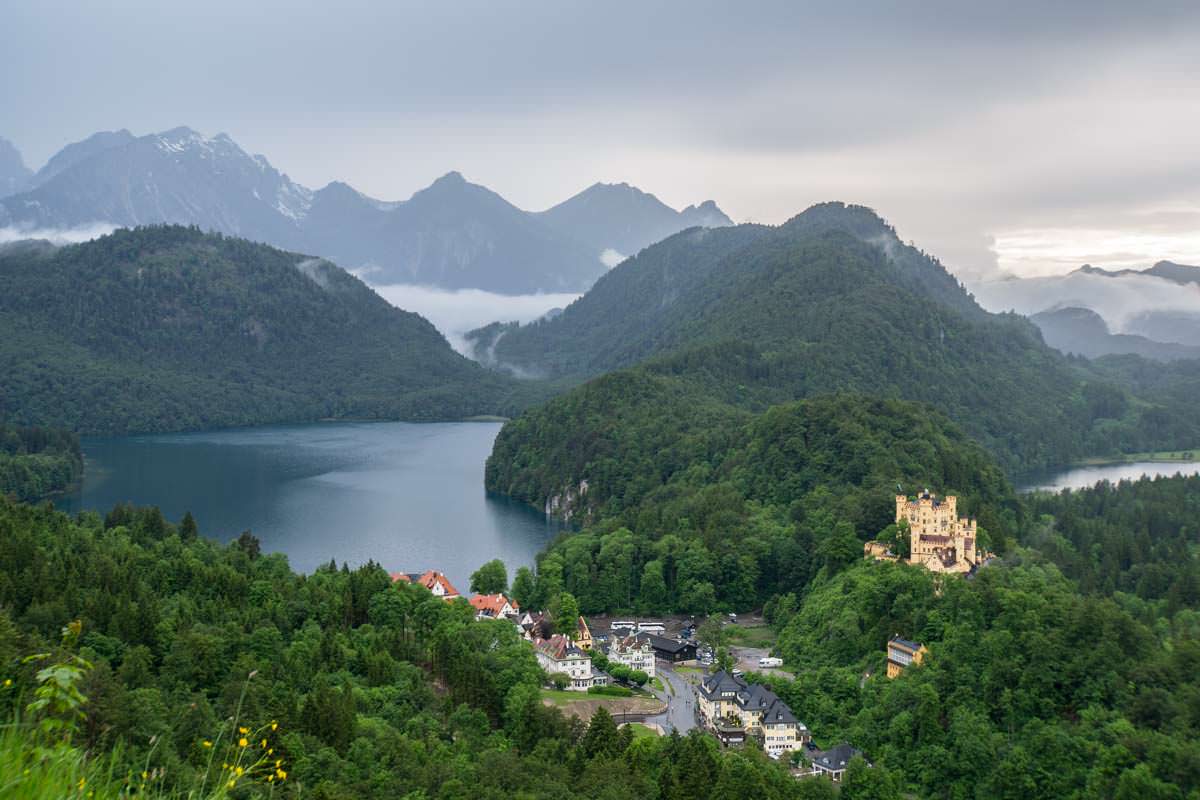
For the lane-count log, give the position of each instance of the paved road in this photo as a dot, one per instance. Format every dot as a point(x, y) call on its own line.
point(681, 703)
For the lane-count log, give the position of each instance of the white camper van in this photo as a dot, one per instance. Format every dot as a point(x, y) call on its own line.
point(770, 661)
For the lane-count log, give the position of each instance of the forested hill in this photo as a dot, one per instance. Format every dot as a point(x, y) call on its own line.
point(167, 328)
point(833, 301)
point(691, 505)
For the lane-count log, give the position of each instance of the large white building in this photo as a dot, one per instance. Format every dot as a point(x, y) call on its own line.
point(730, 706)
point(558, 654)
point(634, 652)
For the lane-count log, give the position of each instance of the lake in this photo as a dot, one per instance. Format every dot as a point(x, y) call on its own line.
point(1082, 476)
point(410, 496)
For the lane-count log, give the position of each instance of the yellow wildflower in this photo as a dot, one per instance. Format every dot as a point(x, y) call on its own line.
point(242, 742)
point(271, 751)
point(82, 782)
point(206, 743)
point(145, 774)
point(270, 779)
point(282, 775)
point(232, 783)
point(8, 682)
point(279, 762)
point(243, 730)
point(274, 724)
point(239, 771)
point(263, 743)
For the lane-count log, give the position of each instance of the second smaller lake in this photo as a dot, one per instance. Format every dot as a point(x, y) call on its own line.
point(1083, 476)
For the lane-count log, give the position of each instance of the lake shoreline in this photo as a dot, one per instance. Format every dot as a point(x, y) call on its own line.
point(407, 495)
point(1157, 457)
point(1086, 475)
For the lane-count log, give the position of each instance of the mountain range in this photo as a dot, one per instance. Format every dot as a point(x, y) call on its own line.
point(709, 324)
point(453, 234)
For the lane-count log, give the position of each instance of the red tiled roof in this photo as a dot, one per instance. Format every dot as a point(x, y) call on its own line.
point(556, 646)
point(492, 604)
point(432, 578)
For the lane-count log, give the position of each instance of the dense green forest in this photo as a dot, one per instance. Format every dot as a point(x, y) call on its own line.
point(194, 666)
point(348, 685)
point(167, 328)
point(37, 462)
point(717, 508)
point(1030, 690)
point(1137, 538)
point(832, 301)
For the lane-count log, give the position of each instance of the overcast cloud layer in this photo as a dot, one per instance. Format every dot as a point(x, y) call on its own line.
point(1026, 137)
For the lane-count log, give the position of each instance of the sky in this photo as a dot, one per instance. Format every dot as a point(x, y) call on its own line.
point(1019, 137)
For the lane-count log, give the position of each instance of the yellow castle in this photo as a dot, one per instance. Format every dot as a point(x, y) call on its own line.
point(941, 541)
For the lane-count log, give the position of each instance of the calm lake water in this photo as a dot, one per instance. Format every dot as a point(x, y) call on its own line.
point(1079, 477)
point(409, 496)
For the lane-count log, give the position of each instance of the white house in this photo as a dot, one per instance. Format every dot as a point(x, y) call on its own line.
point(558, 654)
point(494, 606)
point(634, 652)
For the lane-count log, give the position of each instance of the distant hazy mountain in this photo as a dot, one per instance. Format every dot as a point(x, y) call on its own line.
point(73, 153)
point(1161, 303)
point(168, 328)
point(14, 175)
point(1179, 326)
point(453, 234)
point(1084, 332)
point(178, 177)
point(624, 219)
point(1167, 270)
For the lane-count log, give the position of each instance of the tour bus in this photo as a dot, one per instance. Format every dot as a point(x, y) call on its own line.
point(623, 625)
point(770, 661)
point(651, 627)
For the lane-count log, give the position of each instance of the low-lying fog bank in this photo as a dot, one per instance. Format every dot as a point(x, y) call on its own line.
point(454, 313)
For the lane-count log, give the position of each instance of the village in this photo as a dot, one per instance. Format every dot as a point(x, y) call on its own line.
point(664, 675)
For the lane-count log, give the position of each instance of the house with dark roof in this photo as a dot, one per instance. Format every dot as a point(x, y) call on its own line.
point(535, 625)
point(726, 701)
point(673, 650)
point(833, 762)
point(902, 653)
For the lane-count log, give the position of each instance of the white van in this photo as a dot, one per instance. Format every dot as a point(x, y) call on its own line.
point(770, 661)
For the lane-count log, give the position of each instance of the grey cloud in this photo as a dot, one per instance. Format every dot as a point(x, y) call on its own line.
point(960, 122)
